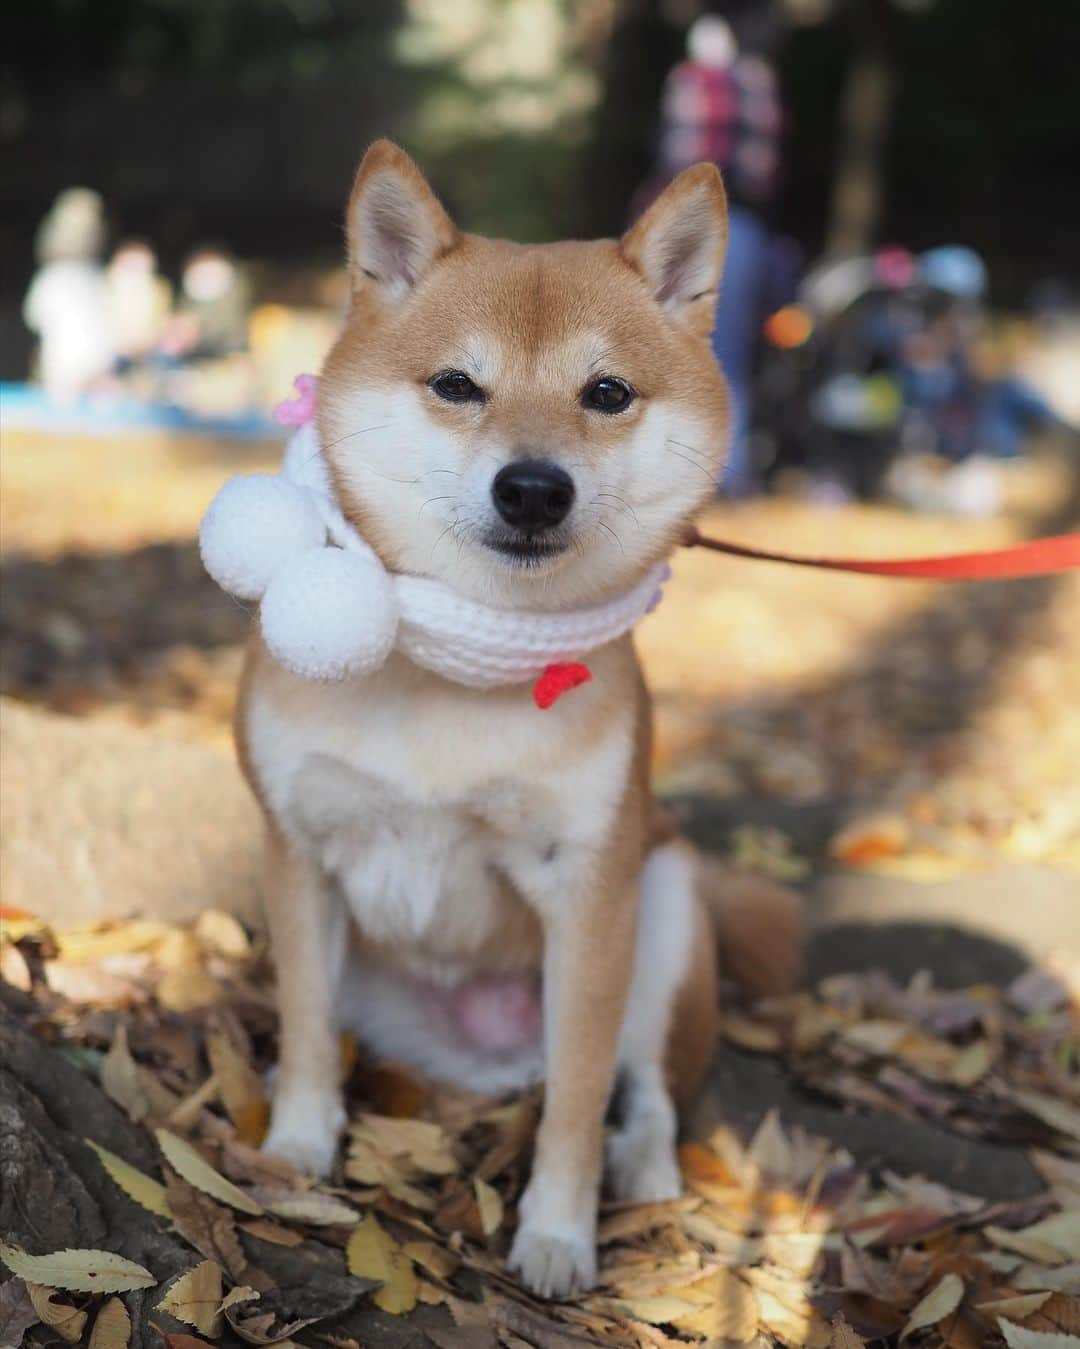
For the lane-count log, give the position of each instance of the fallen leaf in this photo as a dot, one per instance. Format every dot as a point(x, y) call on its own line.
point(112, 1326)
point(870, 840)
point(80, 1271)
point(842, 1336)
point(1058, 1114)
point(662, 1309)
point(17, 1313)
point(373, 1254)
point(135, 1183)
point(1016, 1337)
point(769, 1150)
point(187, 1163)
point(1031, 1248)
point(122, 1080)
point(1063, 1279)
point(701, 1163)
point(238, 1296)
point(222, 935)
point(188, 988)
point(421, 1143)
point(66, 1320)
point(311, 1207)
point(943, 1299)
point(436, 1260)
point(1061, 1232)
point(240, 1087)
point(13, 968)
point(730, 1312)
point(272, 1232)
point(490, 1204)
point(194, 1298)
point(207, 1226)
point(178, 1340)
point(1015, 1308)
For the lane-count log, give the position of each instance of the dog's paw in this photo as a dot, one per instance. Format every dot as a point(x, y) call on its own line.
point(553, 1264)
point(642, 1167)
point(306, 1137)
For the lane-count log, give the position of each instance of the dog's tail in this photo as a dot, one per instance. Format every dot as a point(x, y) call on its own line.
point(760, 927)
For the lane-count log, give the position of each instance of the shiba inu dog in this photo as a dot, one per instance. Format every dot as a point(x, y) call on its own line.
point(479, 888)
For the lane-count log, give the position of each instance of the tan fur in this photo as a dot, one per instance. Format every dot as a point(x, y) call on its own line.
point(551, 811)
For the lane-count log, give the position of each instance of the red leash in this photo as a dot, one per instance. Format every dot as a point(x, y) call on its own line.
point(1036, 557)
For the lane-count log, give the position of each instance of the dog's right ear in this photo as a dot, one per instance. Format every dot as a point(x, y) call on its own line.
point(396, 225)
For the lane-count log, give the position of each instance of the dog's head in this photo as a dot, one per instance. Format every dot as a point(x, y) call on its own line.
point(532, 424)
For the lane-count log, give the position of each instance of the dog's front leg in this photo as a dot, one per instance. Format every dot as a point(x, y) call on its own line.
point(307, 927)
point(589, 949)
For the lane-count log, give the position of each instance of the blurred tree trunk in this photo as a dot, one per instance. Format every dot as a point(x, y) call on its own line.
point(644, 46)
point(865, 113)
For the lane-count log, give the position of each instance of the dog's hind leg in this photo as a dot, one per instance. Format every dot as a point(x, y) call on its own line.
point(669, 1028)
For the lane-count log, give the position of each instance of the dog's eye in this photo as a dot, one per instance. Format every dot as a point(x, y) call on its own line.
point(456, 387)
point(608, 394)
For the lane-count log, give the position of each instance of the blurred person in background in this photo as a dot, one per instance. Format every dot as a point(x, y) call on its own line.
point(723, 104)
point(139, 302)
point(67, 304)
point(211, 318)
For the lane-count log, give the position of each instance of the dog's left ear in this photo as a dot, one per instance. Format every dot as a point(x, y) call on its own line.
point(678, 246)
point(396, 225)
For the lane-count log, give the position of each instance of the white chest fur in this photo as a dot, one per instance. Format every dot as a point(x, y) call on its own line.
point(433, 806)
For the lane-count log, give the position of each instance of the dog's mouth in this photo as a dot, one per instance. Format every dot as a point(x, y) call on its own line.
point(526, 550)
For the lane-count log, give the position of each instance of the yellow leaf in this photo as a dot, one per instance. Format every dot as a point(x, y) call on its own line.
point(112, 1326)
point(145, 1191)
point(240, 1087)
point(729, 1311)
point(187, 1164)
point(121, 1078)
point(435, 1259)
point(313, 1208)
point(188, 988)
point(195, 1298)
point(81, 1271)
point(222, 935)
point(490, 1204)
point(701, 1163)
point(941, 1301)
point(661, 1310)
point(66, 1320)
point(374, 1254)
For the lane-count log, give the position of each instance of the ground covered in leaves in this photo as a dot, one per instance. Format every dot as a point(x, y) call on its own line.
point(942, 723)
point(780, 1239)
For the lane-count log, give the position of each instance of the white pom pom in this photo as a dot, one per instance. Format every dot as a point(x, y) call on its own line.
point(254, 524)
point(330, 614)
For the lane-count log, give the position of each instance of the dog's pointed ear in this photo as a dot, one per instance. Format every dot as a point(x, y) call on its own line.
point(678, 246)
point(396, 225)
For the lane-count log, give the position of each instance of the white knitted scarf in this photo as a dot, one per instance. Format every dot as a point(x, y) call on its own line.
point(330, 610)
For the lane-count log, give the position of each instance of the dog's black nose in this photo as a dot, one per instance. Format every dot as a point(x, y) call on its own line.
point(532, 495)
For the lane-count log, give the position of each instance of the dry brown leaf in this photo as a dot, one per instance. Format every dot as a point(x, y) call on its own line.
point(193, 1168)
point(207, 1226)
point(769, 1150)
point(701, 1163)
point(79, 1271)
point(1017, 1307)
point(195, 1297)
point(17, 1313)
point(661, 1309)
point(112, 1326)
point(373, 1254)
point(311, 1207)
point(490, 1204)
point(1017, 1337)
point(272, 1232)
point(1030, 1247)
point(728, 1310)
point(419, 1143)
point(802, 1327)
point(942, 1300)
point(237, 1297)
point(68, 1321)
point(1063, 1279)
point(1051, 1110)
point(150, 1194)
point(122, 1078)
point(436, 1260)
point(240, 1087)
point(842, 1336)
point(1061, 1232)
point(178, 1340)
